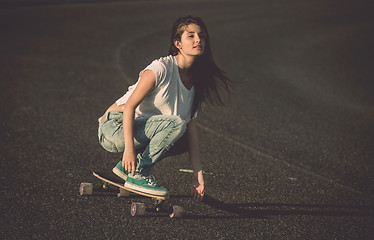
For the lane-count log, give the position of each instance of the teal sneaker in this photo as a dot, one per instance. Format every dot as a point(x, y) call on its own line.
point(120, 171)
point(145, 184)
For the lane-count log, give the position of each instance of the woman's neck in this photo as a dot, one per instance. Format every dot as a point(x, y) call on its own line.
point(184, 65)
point(185, 62)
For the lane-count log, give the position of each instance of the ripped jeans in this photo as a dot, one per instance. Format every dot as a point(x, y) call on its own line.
point(153, 137)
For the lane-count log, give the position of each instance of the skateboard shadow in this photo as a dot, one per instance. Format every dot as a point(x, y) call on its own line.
point(267, 210)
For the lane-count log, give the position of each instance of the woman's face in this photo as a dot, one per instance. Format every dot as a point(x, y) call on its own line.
point(192, 41)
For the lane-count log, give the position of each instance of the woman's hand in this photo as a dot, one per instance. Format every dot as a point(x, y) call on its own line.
point(198, 187)
point(129, 161)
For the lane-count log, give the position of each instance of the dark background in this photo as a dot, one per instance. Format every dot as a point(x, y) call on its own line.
point(290, 157)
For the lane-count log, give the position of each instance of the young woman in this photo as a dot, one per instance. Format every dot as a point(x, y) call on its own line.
point(157, 116)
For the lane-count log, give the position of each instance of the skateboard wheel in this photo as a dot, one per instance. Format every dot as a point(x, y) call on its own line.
point(137, 209)
point(86, 189)
point(105, 185)
point(123, 193)
point(178, 212)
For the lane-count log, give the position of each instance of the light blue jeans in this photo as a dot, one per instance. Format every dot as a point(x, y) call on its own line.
point(153, 137)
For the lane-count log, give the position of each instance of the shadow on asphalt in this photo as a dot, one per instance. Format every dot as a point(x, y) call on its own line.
point(251, 210)
point(260, 210)
point(268, 210)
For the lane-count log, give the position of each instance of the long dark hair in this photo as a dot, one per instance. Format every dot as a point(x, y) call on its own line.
point(208, 79)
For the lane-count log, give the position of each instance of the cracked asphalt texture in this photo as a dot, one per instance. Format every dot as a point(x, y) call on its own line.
point(290, 157)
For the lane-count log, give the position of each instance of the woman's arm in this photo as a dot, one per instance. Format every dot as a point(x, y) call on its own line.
point(146, 84)
point(194, 156)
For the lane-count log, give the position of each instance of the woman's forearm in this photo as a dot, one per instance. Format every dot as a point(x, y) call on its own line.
point(128, 127)
point(198, 185)
point(193, 147)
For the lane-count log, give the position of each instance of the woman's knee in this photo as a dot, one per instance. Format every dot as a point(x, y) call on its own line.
point(180, 125)
point(110, 138)
point(108, 145)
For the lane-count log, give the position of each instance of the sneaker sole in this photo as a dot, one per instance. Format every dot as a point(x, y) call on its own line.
point(145, 190)
point(119, 173)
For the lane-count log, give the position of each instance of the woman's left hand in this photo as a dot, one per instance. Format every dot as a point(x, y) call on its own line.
point(198, 187)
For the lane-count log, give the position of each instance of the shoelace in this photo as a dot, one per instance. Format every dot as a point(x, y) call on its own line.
point(151, 180)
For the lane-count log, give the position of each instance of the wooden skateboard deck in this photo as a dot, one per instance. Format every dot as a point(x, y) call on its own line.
point(120, 184)
point(137, 208)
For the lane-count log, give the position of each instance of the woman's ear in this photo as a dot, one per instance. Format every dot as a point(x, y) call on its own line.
point(177, 44)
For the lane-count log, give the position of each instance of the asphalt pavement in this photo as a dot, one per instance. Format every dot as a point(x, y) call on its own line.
point(289, 157)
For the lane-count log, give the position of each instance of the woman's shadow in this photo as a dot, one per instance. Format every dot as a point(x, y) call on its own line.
point(267, 210)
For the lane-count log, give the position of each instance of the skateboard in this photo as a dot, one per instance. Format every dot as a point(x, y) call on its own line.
point(137, 208)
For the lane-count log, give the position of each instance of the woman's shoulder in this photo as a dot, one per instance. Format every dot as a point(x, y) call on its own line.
point(167, 62)
point(162, 67)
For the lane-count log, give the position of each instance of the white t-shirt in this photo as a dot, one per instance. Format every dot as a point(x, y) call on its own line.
point(169, 97)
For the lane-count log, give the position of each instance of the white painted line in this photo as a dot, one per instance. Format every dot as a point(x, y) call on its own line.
point(191, 171)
